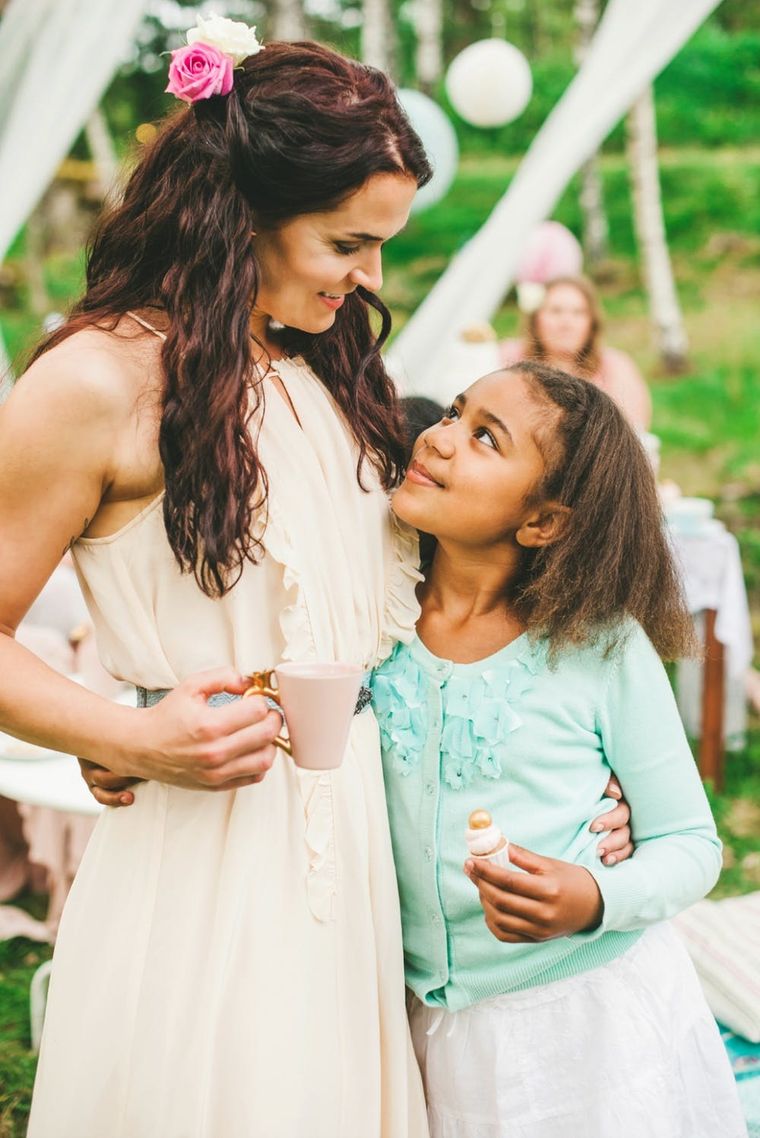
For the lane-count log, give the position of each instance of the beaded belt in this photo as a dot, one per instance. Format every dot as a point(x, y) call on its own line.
point(148, 698)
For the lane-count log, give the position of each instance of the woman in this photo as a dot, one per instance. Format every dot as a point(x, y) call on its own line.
point(229, 964)
point(564, 331)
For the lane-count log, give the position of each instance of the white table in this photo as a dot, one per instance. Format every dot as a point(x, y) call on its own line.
point(53, 781)
point(56, 813)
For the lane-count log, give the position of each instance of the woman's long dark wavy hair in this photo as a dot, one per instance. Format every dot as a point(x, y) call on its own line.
point(302, 129)
point(613, 559)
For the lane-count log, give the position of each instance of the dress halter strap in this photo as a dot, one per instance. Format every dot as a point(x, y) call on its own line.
point(146, 325)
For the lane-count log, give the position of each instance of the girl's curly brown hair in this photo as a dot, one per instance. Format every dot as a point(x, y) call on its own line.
point(302, 129)
point(612, 559)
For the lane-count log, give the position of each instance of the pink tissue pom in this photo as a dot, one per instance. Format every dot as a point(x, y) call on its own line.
point(199, 71)
point(551, 251)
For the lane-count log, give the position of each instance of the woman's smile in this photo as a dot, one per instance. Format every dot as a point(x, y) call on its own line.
point(333, 300)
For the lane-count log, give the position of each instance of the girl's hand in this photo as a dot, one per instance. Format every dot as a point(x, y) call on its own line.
point(553, 898)
point(616, 845)
point(107, 788)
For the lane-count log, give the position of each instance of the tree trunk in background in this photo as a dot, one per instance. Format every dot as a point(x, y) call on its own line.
point(595, 228)
point(378, 36)
point(102, 150)
point(288, 21)
point(428, 20)
point(34, 262)
point(664, 308)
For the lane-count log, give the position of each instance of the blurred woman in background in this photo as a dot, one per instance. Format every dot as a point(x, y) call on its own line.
point(564, 331)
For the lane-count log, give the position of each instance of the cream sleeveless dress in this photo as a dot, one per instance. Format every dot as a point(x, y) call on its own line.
point(229, 965)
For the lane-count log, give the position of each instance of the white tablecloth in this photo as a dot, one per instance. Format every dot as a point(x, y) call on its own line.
point(713, 579)
point(56, 813)
point(53, 781)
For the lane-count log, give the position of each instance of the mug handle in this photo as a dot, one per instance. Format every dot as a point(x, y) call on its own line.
point(261, 684)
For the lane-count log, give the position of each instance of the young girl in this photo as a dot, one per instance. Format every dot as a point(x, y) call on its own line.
point(571, 1011)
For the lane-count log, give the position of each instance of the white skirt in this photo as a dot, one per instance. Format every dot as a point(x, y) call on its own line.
point(628, 1050)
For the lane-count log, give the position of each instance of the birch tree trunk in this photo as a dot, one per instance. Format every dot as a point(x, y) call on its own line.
point(34, 260)
point(378, 36)
point(288, 21)
point(644, 171)
point(428, 20)
point(102, 150)
point(595, 227)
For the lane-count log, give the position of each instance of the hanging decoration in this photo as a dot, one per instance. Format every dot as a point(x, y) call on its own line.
point(489, 83)
point(440, 141)
point(551, 251)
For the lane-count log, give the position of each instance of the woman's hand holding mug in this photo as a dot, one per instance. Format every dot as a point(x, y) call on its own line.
point(184, 742)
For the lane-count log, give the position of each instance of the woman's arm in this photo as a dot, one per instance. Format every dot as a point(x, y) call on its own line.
point(59, 433)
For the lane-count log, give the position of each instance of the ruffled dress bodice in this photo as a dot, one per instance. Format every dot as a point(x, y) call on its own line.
point(336, 581)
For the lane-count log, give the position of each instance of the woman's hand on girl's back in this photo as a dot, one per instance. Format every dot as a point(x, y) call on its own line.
point(616, 844)
point(550, 899)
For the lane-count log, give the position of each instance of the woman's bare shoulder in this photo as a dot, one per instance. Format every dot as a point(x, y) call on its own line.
point(618, 361)
point(95, 372)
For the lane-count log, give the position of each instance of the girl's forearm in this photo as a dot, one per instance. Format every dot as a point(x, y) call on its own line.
point(39, 705)
point(665, 875)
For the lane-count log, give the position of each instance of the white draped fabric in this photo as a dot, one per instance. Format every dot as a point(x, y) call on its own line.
point(633, 43)
point(58, 57)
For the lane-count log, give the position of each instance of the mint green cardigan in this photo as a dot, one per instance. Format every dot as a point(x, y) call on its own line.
point(534, 744)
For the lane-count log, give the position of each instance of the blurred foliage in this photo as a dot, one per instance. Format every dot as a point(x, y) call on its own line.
point(19, 959)
point(709, 95)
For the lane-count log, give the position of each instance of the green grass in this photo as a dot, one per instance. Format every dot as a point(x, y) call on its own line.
point(737, 814)
point(18, 960)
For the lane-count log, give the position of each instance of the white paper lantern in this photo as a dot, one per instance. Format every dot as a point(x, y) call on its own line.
point(489, 83)
point(440, 141)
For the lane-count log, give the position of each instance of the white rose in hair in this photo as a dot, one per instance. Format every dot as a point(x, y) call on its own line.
point(232, 37)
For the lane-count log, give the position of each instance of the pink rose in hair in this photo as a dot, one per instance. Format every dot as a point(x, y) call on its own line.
point(199, 71)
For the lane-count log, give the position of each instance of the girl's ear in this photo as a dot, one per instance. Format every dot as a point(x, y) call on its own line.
point(543, 527)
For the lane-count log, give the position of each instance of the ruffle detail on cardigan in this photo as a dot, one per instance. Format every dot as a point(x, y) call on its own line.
point(478, 719)
point(402, 608)
point(399, 700)
point(479, 714)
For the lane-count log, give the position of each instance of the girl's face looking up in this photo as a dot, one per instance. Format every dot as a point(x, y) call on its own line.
point(472, 475)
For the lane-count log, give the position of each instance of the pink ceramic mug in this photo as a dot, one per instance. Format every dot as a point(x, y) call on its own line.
point(318, 699)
